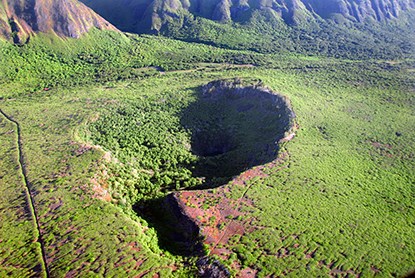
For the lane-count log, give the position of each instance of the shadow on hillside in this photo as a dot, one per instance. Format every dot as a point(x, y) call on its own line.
point(176, 233)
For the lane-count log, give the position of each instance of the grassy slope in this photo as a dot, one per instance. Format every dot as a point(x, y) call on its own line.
point(99, 57)
point(266, 34)
point(346, 193)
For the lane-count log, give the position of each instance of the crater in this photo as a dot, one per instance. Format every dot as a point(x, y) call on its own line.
point(167, 145)
point(235, 126)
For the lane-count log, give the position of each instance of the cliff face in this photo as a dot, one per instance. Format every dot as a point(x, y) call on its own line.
point(67, 18)
point(146, 15)
point(360, 10)
point(5, 30)
point(292, 10)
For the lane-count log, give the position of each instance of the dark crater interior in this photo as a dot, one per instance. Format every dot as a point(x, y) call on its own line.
point(206, 143)
point(234, 127)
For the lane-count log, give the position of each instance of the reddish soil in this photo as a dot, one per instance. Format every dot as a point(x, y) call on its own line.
point(99, 186)
point(381, 146)
point(82, 149)
point(100, 191)
point(219, 215)
point(384, 149)
point(247, 273)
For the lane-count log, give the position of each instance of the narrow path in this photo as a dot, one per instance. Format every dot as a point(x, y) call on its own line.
point(201, 66)
point(29, 195)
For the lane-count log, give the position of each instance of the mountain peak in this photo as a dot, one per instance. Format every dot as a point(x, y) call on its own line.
point(67, 18)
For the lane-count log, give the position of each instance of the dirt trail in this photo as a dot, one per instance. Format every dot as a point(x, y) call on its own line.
point(199, 67)
point(29, 195)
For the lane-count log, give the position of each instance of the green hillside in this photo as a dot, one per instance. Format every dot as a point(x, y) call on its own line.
point(347, 29)
point(107, 126)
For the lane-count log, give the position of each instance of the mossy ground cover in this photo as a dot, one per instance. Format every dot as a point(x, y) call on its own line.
point(343, 203)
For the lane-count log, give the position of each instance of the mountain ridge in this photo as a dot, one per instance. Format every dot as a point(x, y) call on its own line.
point(152, 15)
point(337, 28)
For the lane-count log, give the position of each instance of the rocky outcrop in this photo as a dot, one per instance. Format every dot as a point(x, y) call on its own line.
point(67, 18)
point(210, 268)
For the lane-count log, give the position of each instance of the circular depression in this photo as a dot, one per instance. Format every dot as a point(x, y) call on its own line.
point(235, 126)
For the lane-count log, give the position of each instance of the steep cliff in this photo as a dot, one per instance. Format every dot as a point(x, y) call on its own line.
point(360, 10)
point(145, 15)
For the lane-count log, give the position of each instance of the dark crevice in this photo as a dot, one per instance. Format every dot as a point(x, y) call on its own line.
point(177, 233)
point(15, 31)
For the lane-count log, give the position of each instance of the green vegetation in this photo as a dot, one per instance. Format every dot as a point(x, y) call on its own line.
point(342, 204)
point(102, 56)
point(145, 134)
point(385, 40)
point(20, 254)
